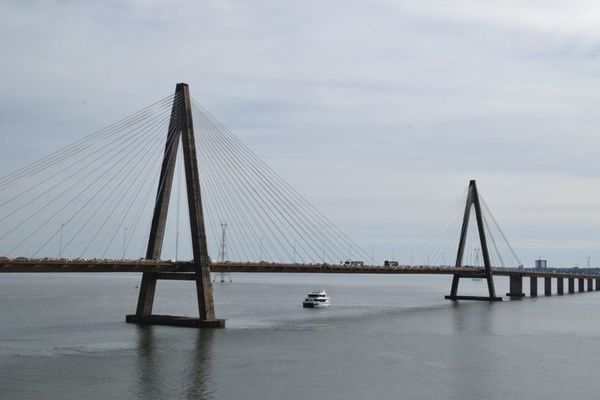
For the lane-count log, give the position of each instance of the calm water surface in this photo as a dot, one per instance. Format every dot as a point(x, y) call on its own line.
point(385, 337)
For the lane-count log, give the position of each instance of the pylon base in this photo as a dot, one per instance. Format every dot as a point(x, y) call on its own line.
point(173, 320)
point(479, 298)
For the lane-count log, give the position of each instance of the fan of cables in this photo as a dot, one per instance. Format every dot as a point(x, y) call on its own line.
point(440, 248)
point(95, 199)
point(265, 218)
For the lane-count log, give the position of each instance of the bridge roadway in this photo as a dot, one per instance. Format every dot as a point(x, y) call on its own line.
point(51, 265)
point(181, 270)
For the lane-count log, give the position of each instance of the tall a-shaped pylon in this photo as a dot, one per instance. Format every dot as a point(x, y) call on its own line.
point(473, 202)
point(180, 127)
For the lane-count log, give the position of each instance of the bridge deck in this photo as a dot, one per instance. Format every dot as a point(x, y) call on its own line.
point(25, 266)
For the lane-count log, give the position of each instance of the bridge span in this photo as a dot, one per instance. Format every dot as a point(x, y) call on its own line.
point(183, 267)
point(184, 270)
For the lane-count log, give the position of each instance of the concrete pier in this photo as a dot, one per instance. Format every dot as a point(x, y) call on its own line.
point(548, 286)
point(533, 286)
point(170, 320)
point(581, 285)
point(597, 283)
point(560, 285)
point(571, 285)
point(590, 285)
point(516, 287)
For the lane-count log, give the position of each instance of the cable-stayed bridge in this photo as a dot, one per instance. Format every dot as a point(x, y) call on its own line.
point(171, 183)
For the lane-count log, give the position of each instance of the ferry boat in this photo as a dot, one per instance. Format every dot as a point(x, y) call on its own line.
point(316, 299)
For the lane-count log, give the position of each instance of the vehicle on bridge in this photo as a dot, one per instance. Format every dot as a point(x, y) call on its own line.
point(353, 263)
point(387, 263)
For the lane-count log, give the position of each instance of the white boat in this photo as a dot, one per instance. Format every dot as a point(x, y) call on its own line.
point(316, 299)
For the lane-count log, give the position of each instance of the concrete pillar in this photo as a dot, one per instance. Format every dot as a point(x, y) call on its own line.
point(581, 284)
point(560, 285)
point(590, 285)
point(597, 283)
point(516, 287)
point(533, 286)
point(548, 286)
point(571, 285)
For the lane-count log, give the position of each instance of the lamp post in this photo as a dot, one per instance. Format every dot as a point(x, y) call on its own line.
point(261, 249)
point(124, 241)
point(60, 241)
point(177, 246)
point(294, 258)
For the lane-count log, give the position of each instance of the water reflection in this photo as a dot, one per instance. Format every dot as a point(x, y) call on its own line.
point(148, 383)
point(473, 318)
point(174, 363)
point(200, 367)
point(472, 351)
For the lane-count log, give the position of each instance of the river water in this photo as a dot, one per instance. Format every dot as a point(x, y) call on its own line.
point(63, 336)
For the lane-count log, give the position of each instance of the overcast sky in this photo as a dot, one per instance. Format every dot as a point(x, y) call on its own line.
point(379, 112)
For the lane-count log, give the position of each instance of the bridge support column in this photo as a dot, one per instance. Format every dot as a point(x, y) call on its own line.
point(533, 286)
point(548, 286)
point(473, 202)
point(590, 284)
point(560, 285)
point(581, 284)
point(597, 284)
point(571, 285)
point(180, 128)
point(515, 287)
